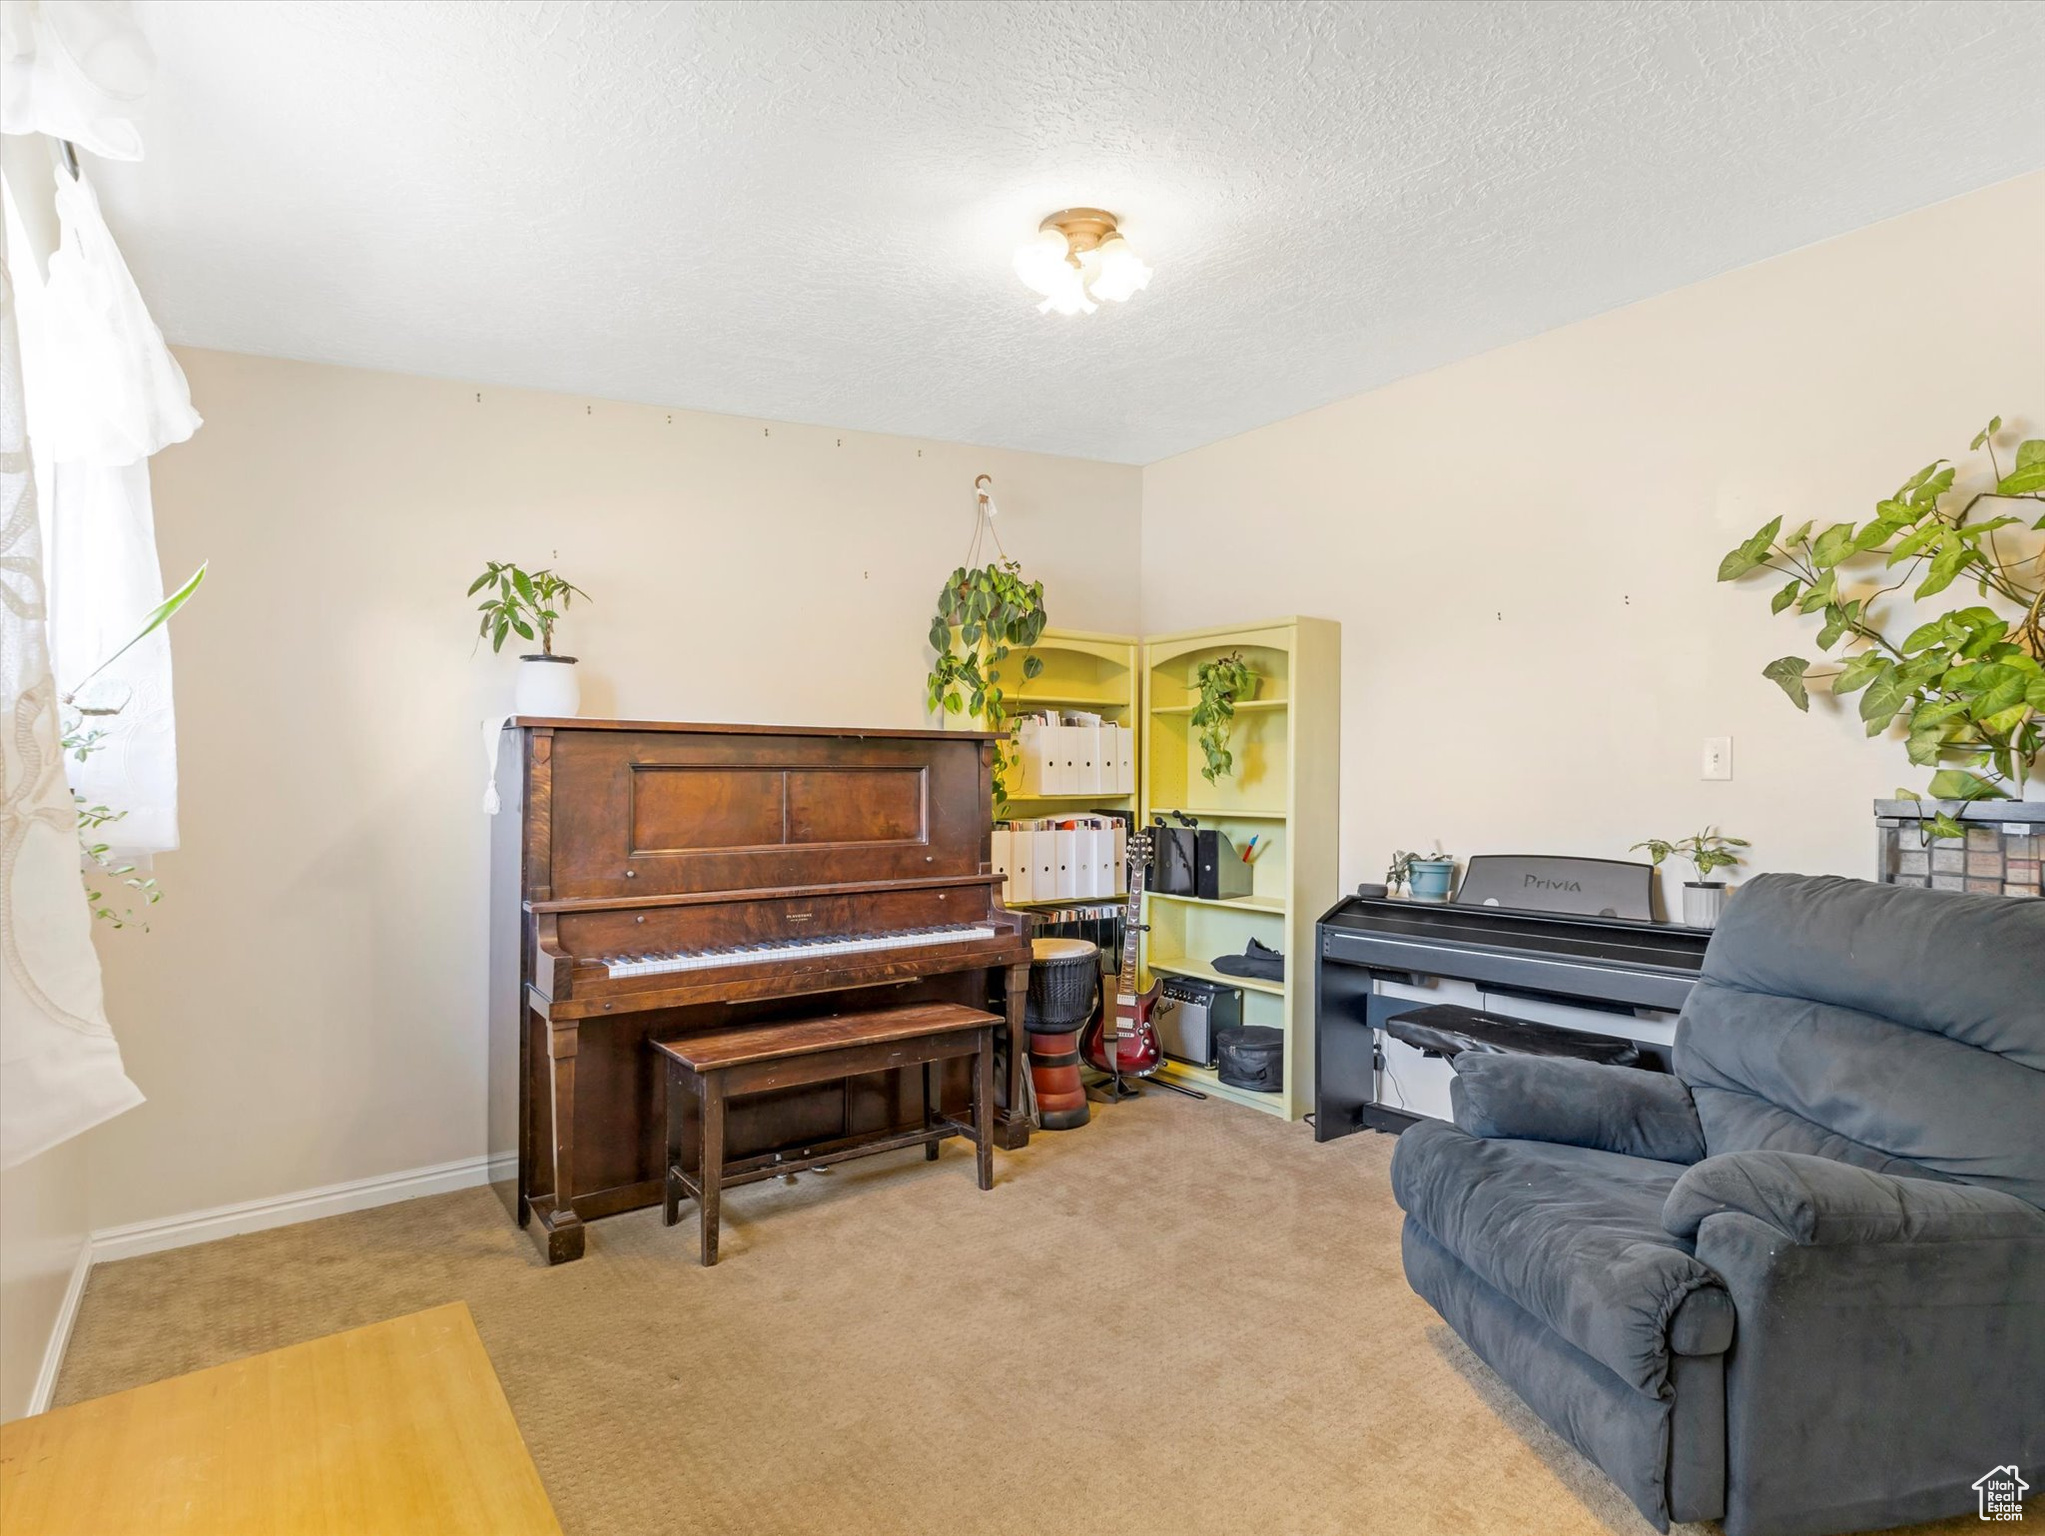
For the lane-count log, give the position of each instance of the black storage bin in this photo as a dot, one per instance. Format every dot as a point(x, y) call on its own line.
point(1252, 1057)
point(1174, 861)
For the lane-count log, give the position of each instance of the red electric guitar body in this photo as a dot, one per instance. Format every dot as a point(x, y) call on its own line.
point(1122, 1041)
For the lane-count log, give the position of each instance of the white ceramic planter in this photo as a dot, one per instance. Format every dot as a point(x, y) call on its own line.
point(1702, 904)
point(547, 685)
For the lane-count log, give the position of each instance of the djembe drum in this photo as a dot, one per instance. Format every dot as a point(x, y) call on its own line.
point(1065, 981)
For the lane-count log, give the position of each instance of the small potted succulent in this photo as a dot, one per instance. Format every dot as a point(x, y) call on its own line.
point(1430, 876)
point(529, 604)
point(1704, 897)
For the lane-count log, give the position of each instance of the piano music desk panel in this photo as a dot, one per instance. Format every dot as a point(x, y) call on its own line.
point(650, 881)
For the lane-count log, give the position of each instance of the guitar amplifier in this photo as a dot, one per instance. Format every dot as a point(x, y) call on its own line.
point(1190, 1013)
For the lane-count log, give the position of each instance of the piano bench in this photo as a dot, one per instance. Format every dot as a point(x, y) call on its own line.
point(787, 1053)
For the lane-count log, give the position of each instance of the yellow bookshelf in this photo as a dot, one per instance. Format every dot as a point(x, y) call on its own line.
point(1286, 740)
point(1081, 670)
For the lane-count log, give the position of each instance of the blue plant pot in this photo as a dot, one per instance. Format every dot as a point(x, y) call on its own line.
point(1432, 879)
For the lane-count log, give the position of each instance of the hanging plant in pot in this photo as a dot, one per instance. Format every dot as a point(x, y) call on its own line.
point(1704, 897)
point(529, 604)
point(1222, 684)
point(984, 614)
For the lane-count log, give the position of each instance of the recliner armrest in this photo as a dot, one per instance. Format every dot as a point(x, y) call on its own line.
point(1576, 1103)
point(1817, 1202)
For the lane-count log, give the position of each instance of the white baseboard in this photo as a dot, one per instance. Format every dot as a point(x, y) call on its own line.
point(60, 1332)
point(140, 1237)
point(137, 1238)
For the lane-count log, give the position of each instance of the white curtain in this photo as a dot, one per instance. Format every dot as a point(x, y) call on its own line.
point(85, 375)
point(104, 394)
point(60, 1070)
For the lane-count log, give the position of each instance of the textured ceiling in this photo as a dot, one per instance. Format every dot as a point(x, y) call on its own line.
point(806, 211)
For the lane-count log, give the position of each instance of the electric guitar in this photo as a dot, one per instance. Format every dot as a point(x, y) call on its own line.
point(1123, 1042)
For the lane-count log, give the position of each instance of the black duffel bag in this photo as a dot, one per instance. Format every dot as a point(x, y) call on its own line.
point(1252, 1057)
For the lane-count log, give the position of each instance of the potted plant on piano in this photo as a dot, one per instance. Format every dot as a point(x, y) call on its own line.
point(1429, 876)
point(1704, 897)
point(529, 604)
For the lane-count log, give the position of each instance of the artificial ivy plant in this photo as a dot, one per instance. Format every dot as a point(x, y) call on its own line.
point(1968, 684)
point(1220, 683)
point(990, 611)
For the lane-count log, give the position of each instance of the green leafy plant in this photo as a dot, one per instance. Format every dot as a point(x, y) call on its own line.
point(525, 603)
point(105, 876)
point(152, 621)
point(1221, 683)
point(1401, 872)
point(1968, 684)
point(990, 612)
point(1705, 851)
point(80, 741)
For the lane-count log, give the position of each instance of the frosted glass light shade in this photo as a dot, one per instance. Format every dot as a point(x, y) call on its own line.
point(1122, 272)
point(1068, 297)
point(1040, 262)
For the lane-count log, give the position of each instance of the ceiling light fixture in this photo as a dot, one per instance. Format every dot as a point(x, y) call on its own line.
point(1079, 252)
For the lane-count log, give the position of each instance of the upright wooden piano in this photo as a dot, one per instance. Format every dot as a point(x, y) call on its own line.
point(650, 880)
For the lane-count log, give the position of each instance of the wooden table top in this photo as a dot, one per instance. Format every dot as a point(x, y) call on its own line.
point(717, 1049)
point(397, 1428)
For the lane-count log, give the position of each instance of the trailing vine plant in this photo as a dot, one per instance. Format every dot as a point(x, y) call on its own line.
point(1968, 684)
point(1221, 683)
point(105, 876)
point(991, 612)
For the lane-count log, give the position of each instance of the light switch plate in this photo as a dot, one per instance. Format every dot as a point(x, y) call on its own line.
point(1718, 757)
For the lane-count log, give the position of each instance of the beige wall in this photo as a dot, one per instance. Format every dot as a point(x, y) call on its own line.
point(309, 1008)
point(45, 1216)
point(1521, 548)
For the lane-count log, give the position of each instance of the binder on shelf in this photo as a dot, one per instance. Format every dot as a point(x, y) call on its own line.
point(1023, 864)
point(1066, 842)
point(1125, 760)
point(1031, 748)
point(1045, 865)
point(1106, 866)
point(1087, 758)
point(1001, 856)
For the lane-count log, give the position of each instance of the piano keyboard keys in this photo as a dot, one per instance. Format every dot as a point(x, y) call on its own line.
point(781, 950)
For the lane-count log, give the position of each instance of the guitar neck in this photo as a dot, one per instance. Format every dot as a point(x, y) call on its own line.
point(1132, 927)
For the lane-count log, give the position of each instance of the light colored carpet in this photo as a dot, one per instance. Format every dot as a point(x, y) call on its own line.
point(1182, 1318)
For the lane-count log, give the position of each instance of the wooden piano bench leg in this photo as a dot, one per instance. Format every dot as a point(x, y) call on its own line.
point(933, 1089)
point(670, 1184)
point(983, 1108)
point(710, 1167)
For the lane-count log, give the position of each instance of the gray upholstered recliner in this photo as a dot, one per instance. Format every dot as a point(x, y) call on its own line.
point(1800, 1284)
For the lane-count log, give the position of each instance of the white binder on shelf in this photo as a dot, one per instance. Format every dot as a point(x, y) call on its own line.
point(1022, 867)
point(1104, 858)
point(1000, 855)
point(1067, 842)
point(1118, 876)
point(1065, 760)
point(1045, 841)
point(1087, 740)
point(1125, 760)
point(1029, 741)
